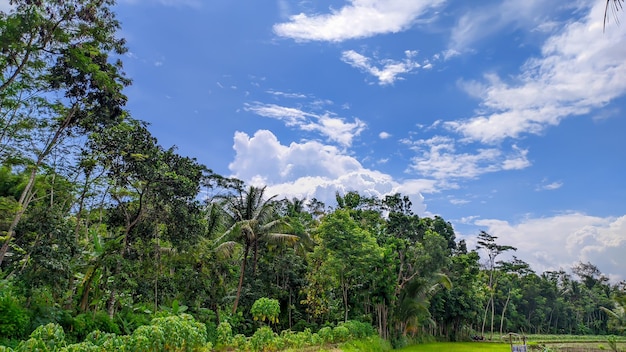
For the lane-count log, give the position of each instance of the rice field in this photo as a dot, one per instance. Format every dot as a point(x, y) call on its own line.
point(539, 343)
point(458, 346)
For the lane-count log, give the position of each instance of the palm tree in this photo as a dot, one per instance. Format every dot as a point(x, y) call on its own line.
point(618, 313)
point(412, 310)
point(252, 219)
point(615, 6)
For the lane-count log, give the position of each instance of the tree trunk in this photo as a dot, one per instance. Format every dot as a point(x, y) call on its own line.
point(27, 195)
point(243, 270)
point(508, 298)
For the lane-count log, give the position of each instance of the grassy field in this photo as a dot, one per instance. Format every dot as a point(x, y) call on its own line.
point(535, 343)
point(458, 347)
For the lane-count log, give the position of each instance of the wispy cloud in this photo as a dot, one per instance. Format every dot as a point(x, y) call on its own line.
point(359, 19)
point(438, 157)
point(545, 186)
point(287, 94)
point(334, 128)
point(480, 22)
point(387, 71)
point(580, 69)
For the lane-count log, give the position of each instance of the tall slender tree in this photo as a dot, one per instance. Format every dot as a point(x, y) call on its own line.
point(253, 219)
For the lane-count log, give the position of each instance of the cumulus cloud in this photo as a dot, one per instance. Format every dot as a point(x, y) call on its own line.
point(438, 157)
point(312, 169)
point(384, 135)
point(358, 19)
point(334, 128)
point(580, 69)
point(389, 70)
point(561, 241)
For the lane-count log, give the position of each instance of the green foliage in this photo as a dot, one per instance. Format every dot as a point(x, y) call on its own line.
point(326, 334)
point(340, 334)
point(49, 337)
point(224, 334)
point(264, 339)
point(240, 343)
point(359, 329)
point(266, 309)
point(85, 323)
point(366, 344)
point(14, 318)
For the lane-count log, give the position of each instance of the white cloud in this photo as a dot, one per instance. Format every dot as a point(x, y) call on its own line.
point(389, 70)
point(358, 19)
point(580, 69)
point(560, 241)
point(334, 128)
point(287, 94)
point(384, 135)
point(312, 169)
point(480, 22)
point(438, 157)
point(544, 186)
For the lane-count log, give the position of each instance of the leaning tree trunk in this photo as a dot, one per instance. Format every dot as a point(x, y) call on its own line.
point(243, 271)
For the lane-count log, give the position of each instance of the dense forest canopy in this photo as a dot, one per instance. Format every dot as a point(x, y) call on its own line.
point(101, 226)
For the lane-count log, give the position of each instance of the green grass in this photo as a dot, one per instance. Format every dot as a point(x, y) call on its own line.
point(458, 347)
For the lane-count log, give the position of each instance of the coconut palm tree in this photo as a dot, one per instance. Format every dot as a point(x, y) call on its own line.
point(252, 219)
point(618, 313)
point(615, 6)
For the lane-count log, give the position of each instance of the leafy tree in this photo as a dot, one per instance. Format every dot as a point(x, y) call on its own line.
point(56, 81)
point(488, 243)
point(347, 253)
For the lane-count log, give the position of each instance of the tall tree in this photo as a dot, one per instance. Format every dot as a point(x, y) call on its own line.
point(56, 81)
point(488, 243)
point(252, 219)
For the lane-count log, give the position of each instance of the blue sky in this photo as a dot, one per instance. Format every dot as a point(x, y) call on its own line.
point(505, 116)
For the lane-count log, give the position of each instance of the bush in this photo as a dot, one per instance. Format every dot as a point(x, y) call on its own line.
point(340, 334)
point(263, 339)
point(14, 319)
point(85, 323)
point(49, 337)
point(182, 332)
point(224, 334)
point(359, 329)
point(266, 308)
point(240, 342)
point(326, 334)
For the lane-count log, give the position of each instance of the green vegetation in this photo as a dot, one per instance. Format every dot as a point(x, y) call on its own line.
point(458, 347)
point(109, 239)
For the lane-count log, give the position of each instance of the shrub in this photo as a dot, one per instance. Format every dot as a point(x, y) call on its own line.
point(266, 309)
point(14, 319)
point(85, 323)
point(182, 332)
point(359, 329)
point(240, 343)
point(263, 339)
point(224, 334)
point(326, 334)
point(340, 333)
point(49, 337)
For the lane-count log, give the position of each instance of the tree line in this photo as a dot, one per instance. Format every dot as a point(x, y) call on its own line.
point(101, 227)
